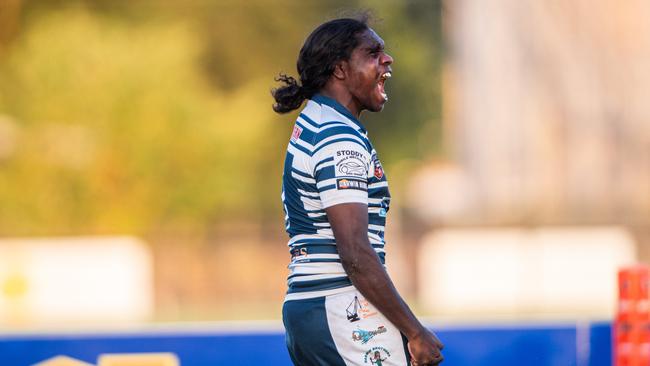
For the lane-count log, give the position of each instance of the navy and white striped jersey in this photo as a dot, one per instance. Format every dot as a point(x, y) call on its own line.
point(329, 161)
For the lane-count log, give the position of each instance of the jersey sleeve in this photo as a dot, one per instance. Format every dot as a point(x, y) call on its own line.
point(341, 172)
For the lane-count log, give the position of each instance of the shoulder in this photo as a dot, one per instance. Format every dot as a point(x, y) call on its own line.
point(321, 127)
point(334, 127)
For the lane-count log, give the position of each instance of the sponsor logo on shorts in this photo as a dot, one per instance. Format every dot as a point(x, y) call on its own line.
point(359, 309)
point(357, 184)
point(376, 356)
point(365, 335)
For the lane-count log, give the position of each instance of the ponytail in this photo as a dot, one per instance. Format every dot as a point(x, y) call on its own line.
point(327, 45)
point(288, 97)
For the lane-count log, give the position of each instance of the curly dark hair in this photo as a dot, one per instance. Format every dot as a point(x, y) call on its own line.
point(328, 44)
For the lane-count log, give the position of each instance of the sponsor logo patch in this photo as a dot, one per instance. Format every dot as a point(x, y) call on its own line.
point(365, 335)
point(298, 254)
point(344, 183)
point(376, 356)
point(384, 207)
point(296, 133)
point(359, 309)
point(379, 171)
point(350, 153)
point(352, 168)
point(350, 163)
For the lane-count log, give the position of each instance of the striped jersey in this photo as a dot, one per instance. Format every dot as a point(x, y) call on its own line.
point(329, 161)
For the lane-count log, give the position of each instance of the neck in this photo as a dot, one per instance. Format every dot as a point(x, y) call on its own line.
point(342, 96)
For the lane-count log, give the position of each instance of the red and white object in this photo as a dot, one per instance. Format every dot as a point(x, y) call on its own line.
point(631, 331)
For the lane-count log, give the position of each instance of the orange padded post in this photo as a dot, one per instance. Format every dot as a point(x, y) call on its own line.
point(631, 330)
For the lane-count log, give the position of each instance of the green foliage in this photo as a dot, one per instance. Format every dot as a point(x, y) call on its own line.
point(412, 34)
point(128, 126)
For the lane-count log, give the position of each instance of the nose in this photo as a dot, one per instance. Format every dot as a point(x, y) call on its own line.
point(387, 59)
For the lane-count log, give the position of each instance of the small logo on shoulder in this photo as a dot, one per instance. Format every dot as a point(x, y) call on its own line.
point(379, 171)
point(295, 135)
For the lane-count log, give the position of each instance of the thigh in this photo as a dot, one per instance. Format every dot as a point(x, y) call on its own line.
point(362, 335)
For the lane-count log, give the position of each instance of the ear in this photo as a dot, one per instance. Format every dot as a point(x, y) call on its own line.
point(340, 70)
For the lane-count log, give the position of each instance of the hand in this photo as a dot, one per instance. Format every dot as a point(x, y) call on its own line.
point(425, 349)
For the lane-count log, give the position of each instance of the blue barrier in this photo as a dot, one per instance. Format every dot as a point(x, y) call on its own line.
point(510, 346)
point(530, 345)
point(600, 344)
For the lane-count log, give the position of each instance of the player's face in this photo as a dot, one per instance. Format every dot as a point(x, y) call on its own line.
point(369, 67)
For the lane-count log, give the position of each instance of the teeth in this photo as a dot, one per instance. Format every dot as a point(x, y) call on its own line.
point(383, 77)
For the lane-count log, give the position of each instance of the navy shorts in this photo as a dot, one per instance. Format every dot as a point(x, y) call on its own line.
point(341, 330)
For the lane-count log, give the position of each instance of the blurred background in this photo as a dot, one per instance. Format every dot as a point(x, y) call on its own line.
point(140, 159)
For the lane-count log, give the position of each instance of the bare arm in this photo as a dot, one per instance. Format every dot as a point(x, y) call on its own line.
point(349, 222)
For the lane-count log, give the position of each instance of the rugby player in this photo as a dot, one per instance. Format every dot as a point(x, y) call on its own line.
point(341, 307)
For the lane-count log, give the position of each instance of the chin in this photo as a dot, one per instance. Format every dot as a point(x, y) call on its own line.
point(376, 106)
point(379, 107)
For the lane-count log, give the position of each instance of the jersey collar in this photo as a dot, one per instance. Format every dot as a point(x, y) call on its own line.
point(321, 99)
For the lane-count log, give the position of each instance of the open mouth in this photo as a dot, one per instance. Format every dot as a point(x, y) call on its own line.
point(382, 80)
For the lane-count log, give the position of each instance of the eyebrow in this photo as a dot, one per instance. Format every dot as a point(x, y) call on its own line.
point(375, 47)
